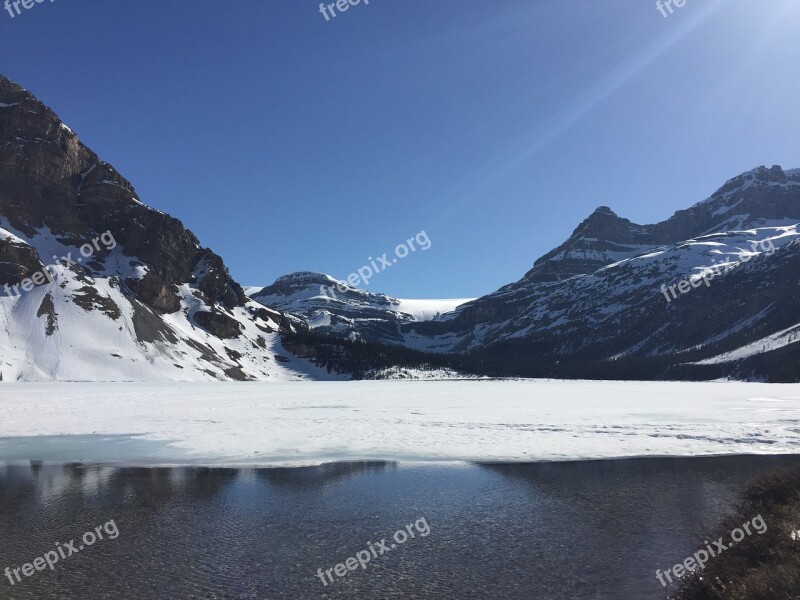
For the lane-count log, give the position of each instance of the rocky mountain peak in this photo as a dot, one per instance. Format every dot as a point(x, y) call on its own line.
point(51, 182)
point(603, 222)
point(603, 210)
point(305, 277)
point(762, 195)
point(759, 178)
point(603, 237)
point(86, 266)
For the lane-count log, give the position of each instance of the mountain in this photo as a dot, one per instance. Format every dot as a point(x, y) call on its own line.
point(334, 308)
point(755, 198)
point(602, 298)
point(95, 285)
point(711, 292)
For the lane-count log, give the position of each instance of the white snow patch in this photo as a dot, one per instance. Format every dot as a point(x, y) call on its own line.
point(425, 310)
point(772, 342)
point(320, 319)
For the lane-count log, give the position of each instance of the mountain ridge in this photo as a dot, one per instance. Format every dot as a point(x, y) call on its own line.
point(598, 300)
point(157, 305)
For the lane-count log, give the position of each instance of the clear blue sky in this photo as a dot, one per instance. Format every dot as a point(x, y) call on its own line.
point(287, 143)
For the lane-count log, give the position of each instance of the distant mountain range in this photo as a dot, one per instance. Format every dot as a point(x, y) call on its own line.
point(712, 292)
point(608, 301)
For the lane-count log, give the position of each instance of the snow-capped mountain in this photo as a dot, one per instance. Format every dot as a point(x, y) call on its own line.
point(710, 292)
point(604, 295)
point(94, 285)
point(759, 197)
point(335, 308)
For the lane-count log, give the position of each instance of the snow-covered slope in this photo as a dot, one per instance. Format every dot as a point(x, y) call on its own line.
point(85, 327)
point(770, 343)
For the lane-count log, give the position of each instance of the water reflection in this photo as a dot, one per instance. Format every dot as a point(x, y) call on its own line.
point(311, 478)
point(558, 530)
point(16, 487)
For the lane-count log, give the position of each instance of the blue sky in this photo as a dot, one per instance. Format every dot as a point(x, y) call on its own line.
point(287, 142)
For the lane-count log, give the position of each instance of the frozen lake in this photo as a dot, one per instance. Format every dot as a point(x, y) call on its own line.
point(309, 423)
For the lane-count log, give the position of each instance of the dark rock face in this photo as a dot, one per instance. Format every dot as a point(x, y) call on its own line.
point(215, 282)
point(89, 299)
point(47, 310)
point(154, 292)
point(48, 178)
point(264, 316)
point(221, 325)
point(17, 261)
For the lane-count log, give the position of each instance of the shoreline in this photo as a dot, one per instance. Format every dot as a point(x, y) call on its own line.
point(309, 464)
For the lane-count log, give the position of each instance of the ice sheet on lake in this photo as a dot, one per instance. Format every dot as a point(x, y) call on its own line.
point(308, 423)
